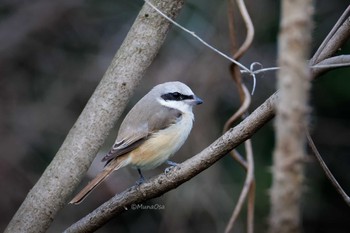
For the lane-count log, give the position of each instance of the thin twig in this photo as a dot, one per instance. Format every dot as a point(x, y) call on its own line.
point(248, 188)
point(327, 44)
point(251, 207)
point(231, 26)
point(330, 63)
point(242, 109)
point(239, 158)
point(326, 169)
point(238, 114)
point(322, 52)
point(261, 70)
point(197, 37)
point(250, 29)
point(251, 184)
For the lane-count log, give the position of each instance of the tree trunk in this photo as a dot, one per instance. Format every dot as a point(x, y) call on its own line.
point(291, 116)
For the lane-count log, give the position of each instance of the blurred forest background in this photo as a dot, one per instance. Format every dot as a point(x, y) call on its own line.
point(54, 53)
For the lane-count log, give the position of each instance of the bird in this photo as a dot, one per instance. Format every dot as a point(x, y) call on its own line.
point(152, 131)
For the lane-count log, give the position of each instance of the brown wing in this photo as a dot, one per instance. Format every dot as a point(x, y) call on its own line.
point(141, 122)
point(115, 151)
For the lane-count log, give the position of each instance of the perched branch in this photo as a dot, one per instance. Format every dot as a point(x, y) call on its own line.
point(183, 172)
point(103, 109)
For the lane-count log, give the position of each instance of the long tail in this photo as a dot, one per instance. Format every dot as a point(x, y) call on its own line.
point(115, 164)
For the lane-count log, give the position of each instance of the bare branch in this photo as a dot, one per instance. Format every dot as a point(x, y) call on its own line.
point(326, 170)
point(245, 99)
point(248, 190)
point(242, 109)
point(250, 29)
point(197, 37)
point(336, 37)
point(330, 64)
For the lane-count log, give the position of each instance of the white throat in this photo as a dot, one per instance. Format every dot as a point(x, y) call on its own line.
point(179, 105)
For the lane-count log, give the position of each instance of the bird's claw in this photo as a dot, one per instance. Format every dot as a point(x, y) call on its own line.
point(140, 181)
point(172, 165)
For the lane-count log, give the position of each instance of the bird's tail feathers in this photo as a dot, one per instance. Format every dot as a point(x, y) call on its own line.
point(115, 164)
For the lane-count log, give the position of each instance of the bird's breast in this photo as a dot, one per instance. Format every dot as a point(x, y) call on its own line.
point(162, 144)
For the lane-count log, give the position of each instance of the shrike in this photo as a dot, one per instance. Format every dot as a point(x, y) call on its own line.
point(154, 129)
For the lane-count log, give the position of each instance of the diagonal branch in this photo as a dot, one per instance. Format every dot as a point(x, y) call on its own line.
point(329, 174)
point(335, 38)
point(182, 173)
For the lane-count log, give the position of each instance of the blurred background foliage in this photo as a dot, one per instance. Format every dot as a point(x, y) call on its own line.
point(54, 53)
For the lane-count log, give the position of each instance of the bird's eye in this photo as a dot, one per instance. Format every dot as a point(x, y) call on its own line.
point(177, 95)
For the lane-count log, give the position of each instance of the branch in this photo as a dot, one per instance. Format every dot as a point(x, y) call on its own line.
point(103, 109)
point(248, 189)
point(334, 40)
point(328, 173)
point(340, 61)
point(181, 173)
point(250, 30)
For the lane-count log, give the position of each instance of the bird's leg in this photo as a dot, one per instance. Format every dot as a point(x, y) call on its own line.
point(172, 164)
point(142, 178)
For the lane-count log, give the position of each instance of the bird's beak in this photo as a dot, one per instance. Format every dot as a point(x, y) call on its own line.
point(196, 100)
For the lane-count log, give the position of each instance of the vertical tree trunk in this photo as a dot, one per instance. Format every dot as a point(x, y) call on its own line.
point(291, 116)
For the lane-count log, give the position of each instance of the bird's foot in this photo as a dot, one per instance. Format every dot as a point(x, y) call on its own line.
point(172, 165)
point(140, 181)
point(142, 178)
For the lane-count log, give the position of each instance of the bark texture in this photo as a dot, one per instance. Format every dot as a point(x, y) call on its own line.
point(291, 116)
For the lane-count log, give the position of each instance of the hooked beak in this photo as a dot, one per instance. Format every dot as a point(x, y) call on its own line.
point(196, 100)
